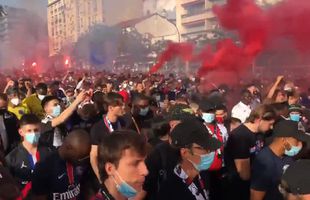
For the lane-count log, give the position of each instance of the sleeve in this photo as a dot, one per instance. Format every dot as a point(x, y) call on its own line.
point(40, 179)
point(260, 175)
point(46, 126)
point(96, 134)
point(153, 165)
point(240, 147)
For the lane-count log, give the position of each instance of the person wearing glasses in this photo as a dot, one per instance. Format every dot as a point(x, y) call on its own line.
point(242, 146)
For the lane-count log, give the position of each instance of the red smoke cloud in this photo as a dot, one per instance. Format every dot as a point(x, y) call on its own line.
point(183, 50)
point(257, 30)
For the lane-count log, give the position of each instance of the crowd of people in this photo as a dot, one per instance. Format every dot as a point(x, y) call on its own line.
point(105, 136)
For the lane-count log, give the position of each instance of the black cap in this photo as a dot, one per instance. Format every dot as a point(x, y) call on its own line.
point(295, 108)
point(206, 105)
point(296, 177)
point(289, 128)
point(48, 99)
point(180, 112)
point(193, 131)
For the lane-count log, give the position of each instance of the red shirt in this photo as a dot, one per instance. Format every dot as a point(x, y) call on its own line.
point(218, 158)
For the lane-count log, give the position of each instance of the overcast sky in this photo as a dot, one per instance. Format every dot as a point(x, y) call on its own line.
point(40, 6)
point(37, 6)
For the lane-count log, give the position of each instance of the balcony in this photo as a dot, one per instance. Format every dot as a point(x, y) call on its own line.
point(197, 16)
point(188, 2)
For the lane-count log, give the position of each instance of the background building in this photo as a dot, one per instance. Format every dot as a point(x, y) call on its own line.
point(195, 18)
point(69, 19)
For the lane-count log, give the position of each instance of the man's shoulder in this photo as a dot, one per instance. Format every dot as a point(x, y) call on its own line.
point(240, 131)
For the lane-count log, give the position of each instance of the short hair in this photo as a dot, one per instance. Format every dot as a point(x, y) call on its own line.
point(160, 127)
point(48, 99)
point(280, 108)
point(114, 99)
point(29, 119)
point(41, 86)
point(140, 97)
point(112, 147)
point(265, 112)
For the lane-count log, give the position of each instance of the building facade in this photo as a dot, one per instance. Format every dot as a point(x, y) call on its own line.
point(195, 18)
point(69, 19)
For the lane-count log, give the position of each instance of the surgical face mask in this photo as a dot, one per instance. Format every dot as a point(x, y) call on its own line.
point(295, 117)
point(124, 188)
point(56, 111)
point(205, 161)
point(293, 151)
point(32, 138)
point(41, 97)
point(144, 111)
point(15, 101)
point(208, 117)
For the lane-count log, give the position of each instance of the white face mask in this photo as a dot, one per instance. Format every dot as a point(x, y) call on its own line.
point(15, 101)
point(41, 97)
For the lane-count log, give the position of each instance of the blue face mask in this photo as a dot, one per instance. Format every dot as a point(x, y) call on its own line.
point(124, 188)
point(293, 151)
point(295, 117)
point(208, 117)
point(205, 161)
point(56, 111)
point(32, 138)
point(143, 112)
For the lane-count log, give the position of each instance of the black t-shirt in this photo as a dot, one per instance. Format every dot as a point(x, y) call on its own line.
point(160, 163)
point(100, 129)
point(103, 194)
point(75, 122)
point(175, 188)
point(21, 164)
point(267, 170)
point(51, 178)
point(242, 144)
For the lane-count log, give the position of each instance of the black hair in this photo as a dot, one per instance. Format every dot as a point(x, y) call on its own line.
point(48, 99)
point(29, 119)
point(41, 87)
point(160, 127)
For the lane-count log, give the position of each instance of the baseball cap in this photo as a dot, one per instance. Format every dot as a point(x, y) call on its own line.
point(206, 105)
point(289, 128)
point(180, 112)
point(193, 131)
point(295, 108)
point(48, 99)
point(296, 177)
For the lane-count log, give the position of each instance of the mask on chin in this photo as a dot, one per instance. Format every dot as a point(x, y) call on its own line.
point(124, 188)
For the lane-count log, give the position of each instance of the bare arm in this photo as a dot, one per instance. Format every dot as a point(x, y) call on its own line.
point(257, 195)
point(93, 160)
point(69, 111)
point(243, 168)
point(274, 87)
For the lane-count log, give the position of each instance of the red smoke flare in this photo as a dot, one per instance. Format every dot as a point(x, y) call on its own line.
point(257, 28)
point(183, 50)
